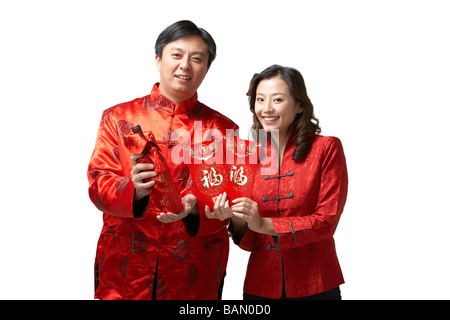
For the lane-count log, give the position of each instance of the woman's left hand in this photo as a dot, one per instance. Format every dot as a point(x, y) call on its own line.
point(247, 209)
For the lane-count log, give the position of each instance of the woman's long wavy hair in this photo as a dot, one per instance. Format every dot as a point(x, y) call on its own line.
point(305, 124)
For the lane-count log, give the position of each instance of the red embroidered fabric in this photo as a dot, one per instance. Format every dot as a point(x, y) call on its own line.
point(138, 256)
point(305, 201)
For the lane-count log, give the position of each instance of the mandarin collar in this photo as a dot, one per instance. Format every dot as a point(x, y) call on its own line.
point(165, 104)
point(290, 141)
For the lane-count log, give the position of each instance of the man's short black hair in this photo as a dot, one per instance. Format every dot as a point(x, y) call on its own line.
point(183, 29)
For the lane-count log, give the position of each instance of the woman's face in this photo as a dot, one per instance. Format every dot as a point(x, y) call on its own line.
point(275, 107)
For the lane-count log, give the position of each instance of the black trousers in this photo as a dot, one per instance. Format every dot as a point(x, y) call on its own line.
point(333, 294)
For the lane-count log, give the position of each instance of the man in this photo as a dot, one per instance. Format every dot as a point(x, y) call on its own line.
point(142, 253)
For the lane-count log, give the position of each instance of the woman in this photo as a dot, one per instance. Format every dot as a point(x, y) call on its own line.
point(289, 222)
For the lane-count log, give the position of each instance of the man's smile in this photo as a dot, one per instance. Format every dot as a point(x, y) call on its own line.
point(182, 77)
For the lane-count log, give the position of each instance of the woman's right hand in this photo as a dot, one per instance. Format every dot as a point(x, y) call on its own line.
point(140, 172)
point(222, 210)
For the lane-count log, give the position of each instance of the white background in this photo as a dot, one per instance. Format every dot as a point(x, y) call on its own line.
point(378, 74)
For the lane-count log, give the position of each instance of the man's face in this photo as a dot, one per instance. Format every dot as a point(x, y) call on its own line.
point(182, 68)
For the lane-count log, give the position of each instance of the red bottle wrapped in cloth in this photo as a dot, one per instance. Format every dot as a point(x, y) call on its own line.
point(225, 165)
point(164, 195)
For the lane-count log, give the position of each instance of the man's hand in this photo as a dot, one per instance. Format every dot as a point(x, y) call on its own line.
point(140, 172)
point(190, 206)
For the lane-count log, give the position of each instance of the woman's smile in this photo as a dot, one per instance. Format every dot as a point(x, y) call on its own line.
point(270, 119)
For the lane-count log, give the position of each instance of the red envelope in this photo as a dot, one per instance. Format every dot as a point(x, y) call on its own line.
point(209, 172)
point(242, 159)
point(164, 195)
point(227, 165)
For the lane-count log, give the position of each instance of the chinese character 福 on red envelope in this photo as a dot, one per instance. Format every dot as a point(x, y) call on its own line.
point(242, 160)
point(226, 165)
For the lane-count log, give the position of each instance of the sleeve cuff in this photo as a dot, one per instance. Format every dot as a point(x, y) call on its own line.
point(140, 206)
point(283, 225)
point(237, 238)
point(191, 223)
